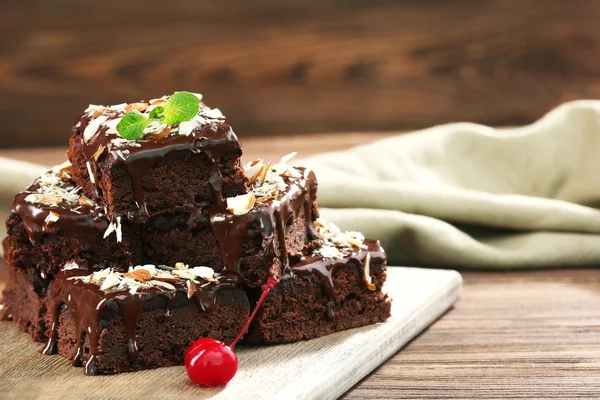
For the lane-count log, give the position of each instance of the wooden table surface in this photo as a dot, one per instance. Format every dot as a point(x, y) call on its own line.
point(526, 334)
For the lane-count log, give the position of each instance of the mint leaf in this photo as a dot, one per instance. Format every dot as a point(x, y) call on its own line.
point(132, 125)
point(180, 107)
point(157, 113)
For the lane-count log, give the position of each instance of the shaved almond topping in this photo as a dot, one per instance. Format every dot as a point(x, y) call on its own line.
point(64, 167)
point(98, 112)
point(242, 204)
point(166, 278)
point(162, 134)
point(140, 275)
point(183, 274)
point(367, 274)
point(99, 152)
point(141, 107)
point(46, 199)
point(273, 195)
point(191, 287)
point(261, 174)
point(110, 281)
point(288, 157)
point(84, 201)
point(52, 217)
point(158, 102)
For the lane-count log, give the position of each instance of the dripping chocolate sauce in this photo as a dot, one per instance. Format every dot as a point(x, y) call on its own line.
point(272, 219)
point(82, 227)
point(324, 268)
point(136, 159)
point(88, 306)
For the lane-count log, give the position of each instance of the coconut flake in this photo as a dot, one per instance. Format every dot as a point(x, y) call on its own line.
point(186, 127)
point(214, 113)
point(92, 128)
point(118, 230)
point(164, 285)
point(64, 167)
point(203, 272)
point(367, 274)
point(110, 281)
point(253, 168)
point(191, 288)
point(52, 217)
point(111, 228)
point(242, 204)
point(328, 251)
point(183, 274)
point(90, 172)
point(288, 157)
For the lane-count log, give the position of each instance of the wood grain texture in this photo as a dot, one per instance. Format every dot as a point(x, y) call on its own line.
point(318, 369)
point(527, 335)
point(290, 67)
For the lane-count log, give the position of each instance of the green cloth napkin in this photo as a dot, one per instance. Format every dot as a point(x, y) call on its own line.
point(467, 195)
point(459, 195)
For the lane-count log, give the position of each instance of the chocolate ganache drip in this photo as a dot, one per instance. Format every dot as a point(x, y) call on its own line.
point(92, 305)
point(323, 267)
point(337, 250)
point(104, 149)
point(52, 205)
point(272, 214)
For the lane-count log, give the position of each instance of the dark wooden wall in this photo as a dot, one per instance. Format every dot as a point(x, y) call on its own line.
point(288, 67)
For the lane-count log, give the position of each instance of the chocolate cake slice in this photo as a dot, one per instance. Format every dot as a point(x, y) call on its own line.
point(24, 302)
point(171, 168)
point(333, 287)
point(255, 236)
point(110, 322)
point(53, 224)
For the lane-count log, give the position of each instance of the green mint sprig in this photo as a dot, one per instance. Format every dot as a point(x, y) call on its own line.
point(180, 107)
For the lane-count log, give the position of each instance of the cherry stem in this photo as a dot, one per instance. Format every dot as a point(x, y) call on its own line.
point(266, 288)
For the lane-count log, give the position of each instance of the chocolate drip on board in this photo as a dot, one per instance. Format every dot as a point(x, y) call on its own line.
point(88, 304)
point(137, 158)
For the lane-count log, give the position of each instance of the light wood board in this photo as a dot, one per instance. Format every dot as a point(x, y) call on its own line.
point(323, 368)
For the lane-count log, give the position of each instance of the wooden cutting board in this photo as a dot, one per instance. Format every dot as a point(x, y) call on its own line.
point(322, 368)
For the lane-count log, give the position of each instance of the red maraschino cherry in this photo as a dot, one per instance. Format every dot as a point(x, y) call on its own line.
point(209, 362)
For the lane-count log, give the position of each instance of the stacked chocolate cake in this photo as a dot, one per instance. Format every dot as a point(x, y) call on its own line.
point(123, 256)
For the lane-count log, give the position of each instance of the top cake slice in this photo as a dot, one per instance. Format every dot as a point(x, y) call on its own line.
point(171, 168)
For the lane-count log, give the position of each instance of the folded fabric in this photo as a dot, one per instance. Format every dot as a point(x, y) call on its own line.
point(467, 195)
point(459, 195)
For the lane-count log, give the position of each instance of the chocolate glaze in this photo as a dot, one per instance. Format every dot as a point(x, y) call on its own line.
point(271, 218)
point(88, 305)
point(325, 267)
point(82, 227)
point(137, 158)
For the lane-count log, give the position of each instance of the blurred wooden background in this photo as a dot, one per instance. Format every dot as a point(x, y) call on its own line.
point(298, 66)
